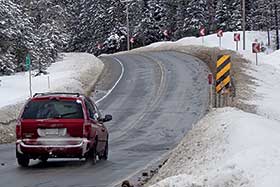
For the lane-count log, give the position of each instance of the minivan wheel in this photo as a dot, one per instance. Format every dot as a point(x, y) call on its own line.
point(91, 156)
point(104, 155)
point(23, 160)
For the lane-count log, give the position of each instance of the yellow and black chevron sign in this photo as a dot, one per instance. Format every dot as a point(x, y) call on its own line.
point(223, 73)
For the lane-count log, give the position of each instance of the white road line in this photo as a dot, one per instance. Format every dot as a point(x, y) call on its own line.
point(117, 82)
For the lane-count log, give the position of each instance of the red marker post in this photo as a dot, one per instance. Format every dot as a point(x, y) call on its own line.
point(220, 35)
point(256, 48)
point(236, 38)
point(202, 33)
point(210, 79)
point(210, 82)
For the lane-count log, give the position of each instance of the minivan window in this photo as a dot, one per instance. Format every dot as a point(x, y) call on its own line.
point(47, 109)
point(90, 109)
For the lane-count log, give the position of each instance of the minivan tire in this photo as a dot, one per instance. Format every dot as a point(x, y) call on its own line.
point(22, 160)
point(104, 155)
point(91, 156)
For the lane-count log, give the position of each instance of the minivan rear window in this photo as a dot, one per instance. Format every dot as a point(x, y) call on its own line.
point(57, 109)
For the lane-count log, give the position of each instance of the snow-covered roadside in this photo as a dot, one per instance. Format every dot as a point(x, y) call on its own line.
point(75, 72)
point(267, 76)
point(230, 147)
point(227, 148)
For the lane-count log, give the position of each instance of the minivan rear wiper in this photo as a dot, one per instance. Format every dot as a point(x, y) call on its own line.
point(65, 114)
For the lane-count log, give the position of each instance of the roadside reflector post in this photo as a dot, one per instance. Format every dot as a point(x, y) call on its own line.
point(223, 78)
point(221, 101)
point(256, 48)
point(210, 82)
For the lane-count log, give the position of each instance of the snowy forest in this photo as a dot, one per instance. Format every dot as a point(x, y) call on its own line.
point(44, 28)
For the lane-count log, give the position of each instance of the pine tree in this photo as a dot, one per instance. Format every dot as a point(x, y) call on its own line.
point(168, 18)
point(15, 35)
point(234, 13)
point(181, 14)
point(149, 27)
point(197, 15)
point(44, 28)
point(44, 33)
point(99, 21)
point(222, 16)
point(211, 26)
point(136, 15)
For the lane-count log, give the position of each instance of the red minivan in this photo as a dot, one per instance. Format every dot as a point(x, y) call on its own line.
point(61, 125)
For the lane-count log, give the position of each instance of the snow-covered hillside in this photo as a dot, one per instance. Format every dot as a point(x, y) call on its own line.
point(230, 147)
point(67, 74)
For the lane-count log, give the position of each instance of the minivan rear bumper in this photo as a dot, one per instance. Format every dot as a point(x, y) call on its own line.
point(57, 148)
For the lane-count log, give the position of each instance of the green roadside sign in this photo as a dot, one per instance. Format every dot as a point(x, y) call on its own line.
point(27, 62)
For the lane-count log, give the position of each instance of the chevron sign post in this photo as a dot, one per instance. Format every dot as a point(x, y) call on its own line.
point(236, 38)
point(220, 35)
point(222, 80)
point(202, 33)
point(256, 48)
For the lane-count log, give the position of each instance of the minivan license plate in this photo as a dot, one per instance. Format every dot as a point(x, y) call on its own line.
point(51, 132)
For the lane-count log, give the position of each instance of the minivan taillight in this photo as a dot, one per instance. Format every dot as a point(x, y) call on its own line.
point(87, 131)
point(18, 131)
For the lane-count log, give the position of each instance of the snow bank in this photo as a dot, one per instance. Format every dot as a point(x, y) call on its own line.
point(267, 76)
point(75, 72)
point(213, 41)
point(227, 148)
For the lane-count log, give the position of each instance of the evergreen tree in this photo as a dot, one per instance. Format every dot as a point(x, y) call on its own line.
point(221, 16)
point(181, 19)
point(98, 22)
point(234, 13)
point(228, 15)
point(168, 19)
point(44, 28)
point(44, 32)
point(197, 15)
point(136, 15)
point(15, 37)
point(148, 28)
point(211, 5)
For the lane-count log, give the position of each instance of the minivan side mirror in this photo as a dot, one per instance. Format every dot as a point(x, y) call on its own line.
point(107, 118)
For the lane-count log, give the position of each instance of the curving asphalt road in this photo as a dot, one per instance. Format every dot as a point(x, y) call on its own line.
point(157, 99)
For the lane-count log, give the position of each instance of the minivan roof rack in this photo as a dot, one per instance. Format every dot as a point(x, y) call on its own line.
point(56, 93)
